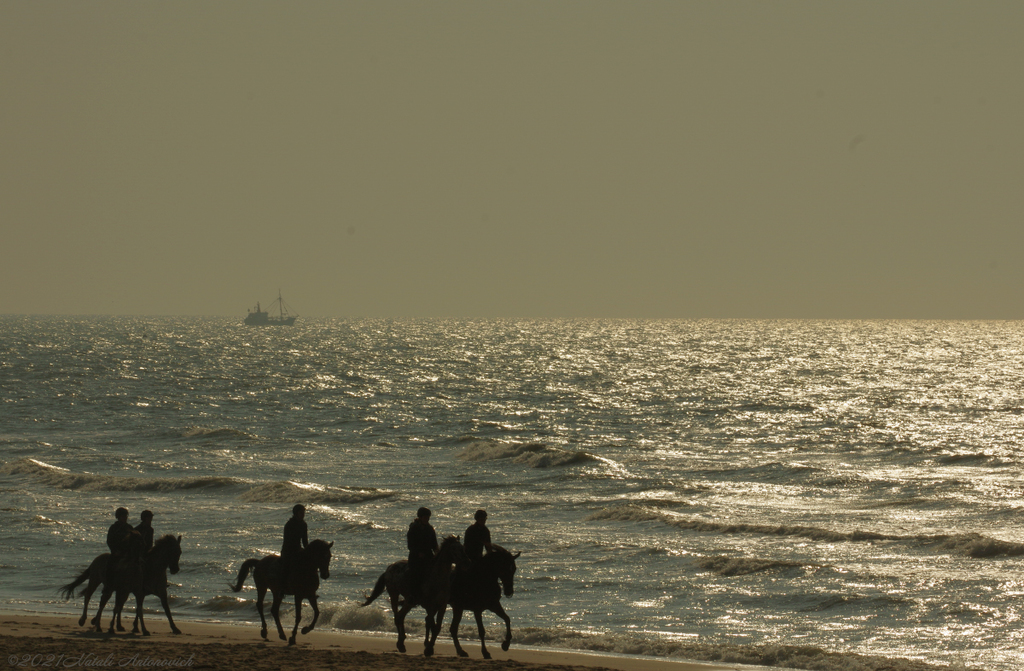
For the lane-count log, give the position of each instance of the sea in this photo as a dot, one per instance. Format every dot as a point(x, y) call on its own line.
point(810, 494)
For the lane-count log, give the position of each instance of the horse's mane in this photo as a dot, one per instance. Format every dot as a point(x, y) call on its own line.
point(318, 544)
point(164, 540)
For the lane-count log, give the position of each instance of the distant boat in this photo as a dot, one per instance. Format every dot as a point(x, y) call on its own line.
point(284, 317)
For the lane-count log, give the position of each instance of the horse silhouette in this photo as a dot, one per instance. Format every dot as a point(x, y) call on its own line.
point(310, 565)
point(480, 589)
point(137, 573)
point(433, 594)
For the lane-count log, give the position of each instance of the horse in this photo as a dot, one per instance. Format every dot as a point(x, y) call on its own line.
point(303, 584)
point(131, 578)
point(479, 590)
point(123, 579)
point(95, 574)
point(433, 593)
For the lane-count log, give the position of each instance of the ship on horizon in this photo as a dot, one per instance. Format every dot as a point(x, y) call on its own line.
point(284, 317)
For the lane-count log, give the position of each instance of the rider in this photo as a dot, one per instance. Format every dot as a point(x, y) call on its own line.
point(478, 537)
point(296, 537)
point(145, 527)
point(116, 534)
point(422, 541)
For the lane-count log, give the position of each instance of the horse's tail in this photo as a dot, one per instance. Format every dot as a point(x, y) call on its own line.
point(378, 589)
point(68, 590)
point(243, 573)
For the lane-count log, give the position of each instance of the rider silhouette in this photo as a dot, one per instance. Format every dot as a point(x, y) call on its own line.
point(478, 537)
point(116, 534)
point(422, 541)
point(145, 527)
point(296, 537)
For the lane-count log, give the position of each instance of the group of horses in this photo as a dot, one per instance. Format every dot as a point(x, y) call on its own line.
point(451, 580)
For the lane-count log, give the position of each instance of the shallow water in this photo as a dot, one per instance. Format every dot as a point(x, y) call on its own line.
point(849, 486)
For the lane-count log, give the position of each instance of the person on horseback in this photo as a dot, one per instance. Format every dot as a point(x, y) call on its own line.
point(145, 527)
point(118, 530)
point(116, 534)
point(478, 537)
point(422, 541)
point(296, 537)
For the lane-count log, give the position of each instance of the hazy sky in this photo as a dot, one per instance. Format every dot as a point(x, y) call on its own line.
point(513, 159)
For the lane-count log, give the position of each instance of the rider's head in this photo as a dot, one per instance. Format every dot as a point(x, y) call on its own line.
point(423, 513)
point(147, 515)
point(121, 514)
point(480, 516)
point(299, 510)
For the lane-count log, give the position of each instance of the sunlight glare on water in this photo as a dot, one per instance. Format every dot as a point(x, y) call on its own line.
point(845, 486)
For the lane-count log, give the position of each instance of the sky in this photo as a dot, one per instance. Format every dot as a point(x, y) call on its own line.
point(527, 159)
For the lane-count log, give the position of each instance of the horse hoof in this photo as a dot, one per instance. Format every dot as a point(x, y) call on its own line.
point(291, 641)
point(428, 651)
point(504, 646)
point(145, 633)
point(81, 621)
point(283, 637)
point(306, 630)
point(175, 630)
point(463, 653)
point(487, 655)
point(401, 648)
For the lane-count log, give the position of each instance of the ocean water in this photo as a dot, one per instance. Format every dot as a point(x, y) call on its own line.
point(829, 492)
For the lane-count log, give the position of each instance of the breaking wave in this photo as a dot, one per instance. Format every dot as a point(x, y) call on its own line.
point(289, 492)
point(970, 545)
point(62, 478)
point(786, 656)
point(733, 566)
point(535, 455)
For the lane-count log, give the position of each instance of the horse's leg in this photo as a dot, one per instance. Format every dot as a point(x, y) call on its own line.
point(298, 616)
point(316, 615)
point(104, 597)
point(400, 623)
point(261, 593)
point(119, 599)
point(139, 598)
point(118, 610)
point(428, 648)
point(479, 614)
point(500, 612)
point(87, 593)
point(275, 610)
point(167, 611)
point(454, 631)
point(434, 621)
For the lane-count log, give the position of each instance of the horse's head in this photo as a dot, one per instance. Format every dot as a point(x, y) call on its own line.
point(319, 552)
point(167, 549)
point(451, 550)
point(504, 563)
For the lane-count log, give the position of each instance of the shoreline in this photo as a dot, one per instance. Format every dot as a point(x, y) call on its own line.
point(29, 640)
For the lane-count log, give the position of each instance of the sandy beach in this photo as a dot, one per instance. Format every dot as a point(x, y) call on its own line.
point(53, 641)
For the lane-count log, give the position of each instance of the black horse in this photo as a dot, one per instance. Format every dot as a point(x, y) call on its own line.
point(310, 565)
point(478, 590)
point(433, 594)
point(152, 579)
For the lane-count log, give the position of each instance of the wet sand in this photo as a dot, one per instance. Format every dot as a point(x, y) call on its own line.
point(54, 641)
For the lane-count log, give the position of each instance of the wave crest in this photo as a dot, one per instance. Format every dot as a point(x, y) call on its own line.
point(535, 455)
point(62, 478)
point(733, 566)
point(289, 492)
point(772, 654)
